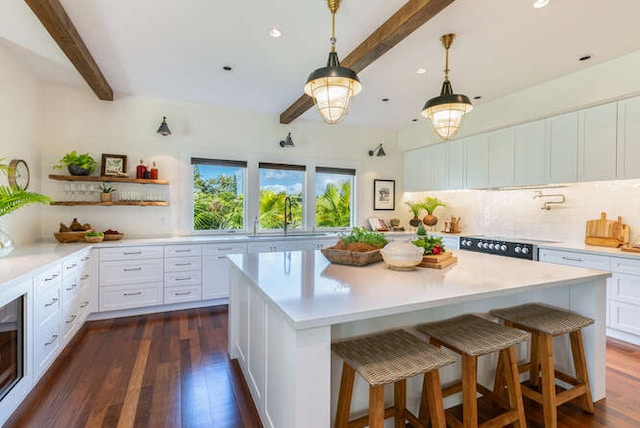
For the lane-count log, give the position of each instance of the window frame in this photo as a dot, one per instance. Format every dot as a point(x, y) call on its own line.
point(352, 203)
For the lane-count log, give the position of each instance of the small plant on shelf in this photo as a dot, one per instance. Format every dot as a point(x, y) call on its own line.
point(430, 245)
point(83, 164)
point(105, 192)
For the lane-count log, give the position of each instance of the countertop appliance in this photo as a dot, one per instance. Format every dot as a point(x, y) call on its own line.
point(521, 248)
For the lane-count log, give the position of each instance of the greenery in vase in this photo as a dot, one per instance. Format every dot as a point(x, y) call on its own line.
point(13, 198)
point(414, 207)
point(430, 244)
point(84, 161)
point(429, 204)
point(106, 189)
point(361, 235)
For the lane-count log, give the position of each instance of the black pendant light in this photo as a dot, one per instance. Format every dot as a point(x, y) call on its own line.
point(333, 87)
point(164, 128)
point(447, 110)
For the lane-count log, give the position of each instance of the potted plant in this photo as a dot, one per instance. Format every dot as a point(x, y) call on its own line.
point(83, 164)
point(429, 204)
point(105, 192)
point(11, 199)
point(415, 208)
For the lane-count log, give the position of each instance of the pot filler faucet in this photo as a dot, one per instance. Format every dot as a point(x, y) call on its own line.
point(287, 214)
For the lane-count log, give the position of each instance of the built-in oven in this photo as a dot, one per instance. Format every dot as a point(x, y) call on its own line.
point(11, 344)
point(520, 248)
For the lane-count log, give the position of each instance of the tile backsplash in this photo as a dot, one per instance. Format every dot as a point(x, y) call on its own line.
point(517, 213)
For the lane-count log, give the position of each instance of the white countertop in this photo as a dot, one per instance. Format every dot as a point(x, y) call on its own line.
point(580, 247)
point(312, 292)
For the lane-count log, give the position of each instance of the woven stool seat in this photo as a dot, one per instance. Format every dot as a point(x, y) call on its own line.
point(390, 356)
point(542, 318)
point(473, 335)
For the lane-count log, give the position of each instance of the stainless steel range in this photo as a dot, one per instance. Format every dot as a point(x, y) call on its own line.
point(521, 248)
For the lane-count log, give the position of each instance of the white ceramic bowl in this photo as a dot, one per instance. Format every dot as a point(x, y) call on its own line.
point(401, 255)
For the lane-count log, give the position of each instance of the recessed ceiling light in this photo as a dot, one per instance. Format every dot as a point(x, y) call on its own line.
point(227, 68)
point(538, 4)
point(385, 100)
point(421, 71)
point(585, 58)
point(275, 32)
point(477, 97)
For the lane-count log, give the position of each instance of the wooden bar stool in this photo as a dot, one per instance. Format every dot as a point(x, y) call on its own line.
point(472, 336)
point(544, 322)
point(390, 357)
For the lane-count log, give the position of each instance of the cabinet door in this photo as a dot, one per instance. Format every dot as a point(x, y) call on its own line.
point(215, 277)
point(501, 158)
point(437, 167)
point(597, 143)
point(260, 247)
point(456, 164)
point(415, 175)
point(562, 133)
point(476, 164)
point(629, 138)
point(530, 154)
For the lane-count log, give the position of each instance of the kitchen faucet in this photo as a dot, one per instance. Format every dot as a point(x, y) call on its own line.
point(287, 214)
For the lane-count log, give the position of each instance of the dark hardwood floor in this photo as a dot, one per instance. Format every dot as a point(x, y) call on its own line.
point(172, 370)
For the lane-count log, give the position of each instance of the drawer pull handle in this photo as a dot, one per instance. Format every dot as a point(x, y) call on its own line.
point(182, 264)
point(571, 259)
point(53, 339)
point(225, 249)
point(70, 267)
point(186, 278)
point(53, 302)
point(222, 257)
point(72, 319)
point(71, 287)
point(132, 269)
point(84, 305)
point(137, 293)
point(83, 277)
point(184, 293)
point(184, 251)
point(52, 277)
point(132, 252)
point(84, 259)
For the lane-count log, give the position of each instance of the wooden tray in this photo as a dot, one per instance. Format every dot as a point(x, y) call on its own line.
point(351, 258)
point(66, 237)
point(439, 261)
point(630, 249)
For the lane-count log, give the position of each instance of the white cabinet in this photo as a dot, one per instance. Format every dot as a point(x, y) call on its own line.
point(415, 175)
point(455, 160)
point(629, 138)
point(275, 246)
point(476, 163)
point(501, 158)
point(48, 312)
point(215, 269)
point(436, 166)
point(530, 154)
point(182, 273)
point(562, 134)
point(597, 143)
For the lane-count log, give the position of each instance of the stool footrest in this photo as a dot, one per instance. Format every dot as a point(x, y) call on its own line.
point(501, 421)
point(363, 421)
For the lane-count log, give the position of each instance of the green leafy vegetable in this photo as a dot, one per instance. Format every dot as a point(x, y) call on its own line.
point(359, 234)
point(430, 244)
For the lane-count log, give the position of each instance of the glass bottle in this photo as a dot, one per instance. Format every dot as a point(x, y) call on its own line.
point(141, 169)
point(154, 171)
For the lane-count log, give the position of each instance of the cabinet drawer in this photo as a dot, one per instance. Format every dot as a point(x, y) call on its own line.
point(130, 272)
point(177, 279)
point(177, 264)
point(46, 344)
point(623, 265)
point(569, 258)
point(70, 266)
point(129, 253)
point(188, 293)
point(182, 250)
point(47, 304)
point(221, 249)
point(69, 290)
point(114, 298)
point(624, 317)
point(70, 321)
point(48, 277)
point(625, 288)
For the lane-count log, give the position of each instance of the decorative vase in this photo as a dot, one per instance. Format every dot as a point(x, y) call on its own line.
point(415, 222)
point(105, 197)
point(430, 220)
point(6, 244)
point(77, 170)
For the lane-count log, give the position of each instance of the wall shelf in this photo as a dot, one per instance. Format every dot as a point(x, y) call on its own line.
point(106, 179)
point(116, 203)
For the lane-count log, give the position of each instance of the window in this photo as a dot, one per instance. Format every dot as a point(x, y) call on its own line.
point(334, 197)
point(218, 194)
point(277, 182)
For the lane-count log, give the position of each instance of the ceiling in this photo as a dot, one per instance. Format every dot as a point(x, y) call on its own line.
point(177, 49)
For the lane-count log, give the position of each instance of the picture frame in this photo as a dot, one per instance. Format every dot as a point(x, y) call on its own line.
point(384, 195)
point(113, 165)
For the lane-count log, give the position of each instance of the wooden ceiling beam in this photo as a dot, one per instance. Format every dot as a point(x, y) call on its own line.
point(54, 18)
point(405, 21)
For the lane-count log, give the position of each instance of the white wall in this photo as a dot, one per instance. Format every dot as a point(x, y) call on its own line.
point(75, 119)
point(20, 108)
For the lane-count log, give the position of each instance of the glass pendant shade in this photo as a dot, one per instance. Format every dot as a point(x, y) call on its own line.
point(446, 111)
point(332, 89)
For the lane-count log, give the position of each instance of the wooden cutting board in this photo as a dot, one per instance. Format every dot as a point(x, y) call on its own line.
point(606, 233)
point(440, 261)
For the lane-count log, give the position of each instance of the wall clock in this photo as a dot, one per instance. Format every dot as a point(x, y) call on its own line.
point(18, 174)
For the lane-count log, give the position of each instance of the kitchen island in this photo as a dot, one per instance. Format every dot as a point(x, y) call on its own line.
point(286, 308)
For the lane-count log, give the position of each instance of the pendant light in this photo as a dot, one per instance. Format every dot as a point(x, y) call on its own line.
point(446, 110)
point(333, 87)
point(164, 128)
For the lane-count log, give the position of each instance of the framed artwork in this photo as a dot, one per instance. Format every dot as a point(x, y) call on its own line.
point(384, 195)
point(113, 165)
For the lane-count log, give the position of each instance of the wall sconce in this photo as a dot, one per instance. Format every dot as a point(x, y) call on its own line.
point(379, 149)
point(287, 142)
point(164, 128)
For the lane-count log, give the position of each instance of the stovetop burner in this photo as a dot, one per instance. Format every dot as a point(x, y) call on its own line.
point(521, 248)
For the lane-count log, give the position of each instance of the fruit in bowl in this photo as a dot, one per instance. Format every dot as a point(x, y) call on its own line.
point(94, 237)
point(402, 255)
point(112, 235)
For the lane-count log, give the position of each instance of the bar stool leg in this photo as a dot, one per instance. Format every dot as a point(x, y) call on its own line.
point(499, 381)
point(432, 397)
point(376, 406)
point(344, 397)
point(549, 402)
point(580, 364)
point(534, 371)
point(469, 391)
point(514, 392)
point(400, 402)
